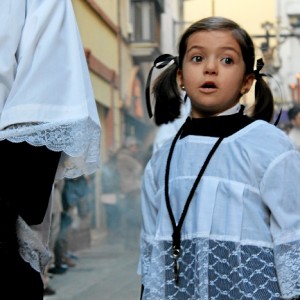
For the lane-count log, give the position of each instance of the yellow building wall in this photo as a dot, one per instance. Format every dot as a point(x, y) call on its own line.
point(102, 90)
point(250, 14)
point(96, 35)
point(110, 7)
point(99, 35)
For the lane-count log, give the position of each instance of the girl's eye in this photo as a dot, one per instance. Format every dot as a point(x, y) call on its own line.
point(227, 60)
point(197, 58)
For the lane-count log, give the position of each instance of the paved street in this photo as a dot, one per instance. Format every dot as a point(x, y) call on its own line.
point(105, 271)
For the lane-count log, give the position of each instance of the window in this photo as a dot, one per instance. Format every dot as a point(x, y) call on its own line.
point(143, 16)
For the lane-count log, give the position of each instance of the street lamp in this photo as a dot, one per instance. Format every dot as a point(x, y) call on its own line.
point(267, 26)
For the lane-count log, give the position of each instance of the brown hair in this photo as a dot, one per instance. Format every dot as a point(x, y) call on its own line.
point(166, 91)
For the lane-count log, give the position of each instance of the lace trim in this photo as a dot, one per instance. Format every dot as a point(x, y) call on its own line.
point(218, 270)
point(288, 268)
point(31, 248)
point(79, 140)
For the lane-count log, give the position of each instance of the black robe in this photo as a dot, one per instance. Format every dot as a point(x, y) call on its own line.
point(27, 176)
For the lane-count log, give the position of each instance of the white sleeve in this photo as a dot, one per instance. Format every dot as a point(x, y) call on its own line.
point(281, 192)
point(51, 82)
point(12, 18)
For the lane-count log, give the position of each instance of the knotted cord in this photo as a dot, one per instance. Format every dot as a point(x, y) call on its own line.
point(177, 228)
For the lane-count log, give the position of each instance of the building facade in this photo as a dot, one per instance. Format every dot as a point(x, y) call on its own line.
point(121, 39)
point(288, 45)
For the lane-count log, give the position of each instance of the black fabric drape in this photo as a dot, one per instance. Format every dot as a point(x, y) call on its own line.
point(26, 178)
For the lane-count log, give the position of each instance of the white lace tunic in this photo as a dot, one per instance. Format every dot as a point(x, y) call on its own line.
point(46, 96)
point(241, 236)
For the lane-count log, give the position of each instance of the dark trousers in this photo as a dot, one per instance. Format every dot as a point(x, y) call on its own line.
point(61, 243)
point(23, 283)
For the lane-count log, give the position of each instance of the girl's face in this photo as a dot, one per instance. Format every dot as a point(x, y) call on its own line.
point(213, 72)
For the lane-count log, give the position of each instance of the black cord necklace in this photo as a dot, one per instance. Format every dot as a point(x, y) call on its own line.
point(177, 228)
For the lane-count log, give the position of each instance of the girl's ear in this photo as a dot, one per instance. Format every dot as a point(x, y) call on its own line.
point(248, 81)
point(180, 78)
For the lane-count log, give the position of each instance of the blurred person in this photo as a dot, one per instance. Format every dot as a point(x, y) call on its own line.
point(130, 171)
point(110, 184)
point(49, 129)
point(73, 191)
point(294, 132)
point(86, 202)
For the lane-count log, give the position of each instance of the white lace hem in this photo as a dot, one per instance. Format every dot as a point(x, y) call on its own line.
point(79, 140)
point(31, 247)
point(218, 270)
point(287, 258)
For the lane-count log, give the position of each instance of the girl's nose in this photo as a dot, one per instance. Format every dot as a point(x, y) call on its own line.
point(210, 66)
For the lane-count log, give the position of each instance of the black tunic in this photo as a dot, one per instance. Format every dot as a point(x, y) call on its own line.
point(27, 176)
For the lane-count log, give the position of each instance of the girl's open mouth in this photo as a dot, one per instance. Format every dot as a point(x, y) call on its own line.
point(208, 86)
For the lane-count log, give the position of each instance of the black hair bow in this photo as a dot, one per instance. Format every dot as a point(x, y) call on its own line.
point(259, 65)
point(159, 63)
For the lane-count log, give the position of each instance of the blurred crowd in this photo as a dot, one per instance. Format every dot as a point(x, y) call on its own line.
point(120, 181)
point(72, 202)
point(294, 129)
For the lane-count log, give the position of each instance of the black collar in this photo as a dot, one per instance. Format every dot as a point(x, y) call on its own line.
point(217, 126)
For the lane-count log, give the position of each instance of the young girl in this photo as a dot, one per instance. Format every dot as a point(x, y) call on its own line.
point(220, 202)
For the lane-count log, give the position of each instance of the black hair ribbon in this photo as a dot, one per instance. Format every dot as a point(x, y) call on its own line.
point(259, 65)
point(159, 63)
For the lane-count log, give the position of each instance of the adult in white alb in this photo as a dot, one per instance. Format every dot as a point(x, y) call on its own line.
point(49, 129)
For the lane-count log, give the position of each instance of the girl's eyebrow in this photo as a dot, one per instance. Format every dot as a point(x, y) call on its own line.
point(197, 47)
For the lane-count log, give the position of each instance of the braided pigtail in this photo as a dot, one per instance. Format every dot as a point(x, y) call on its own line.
point(264, 102)
point(167, 97)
